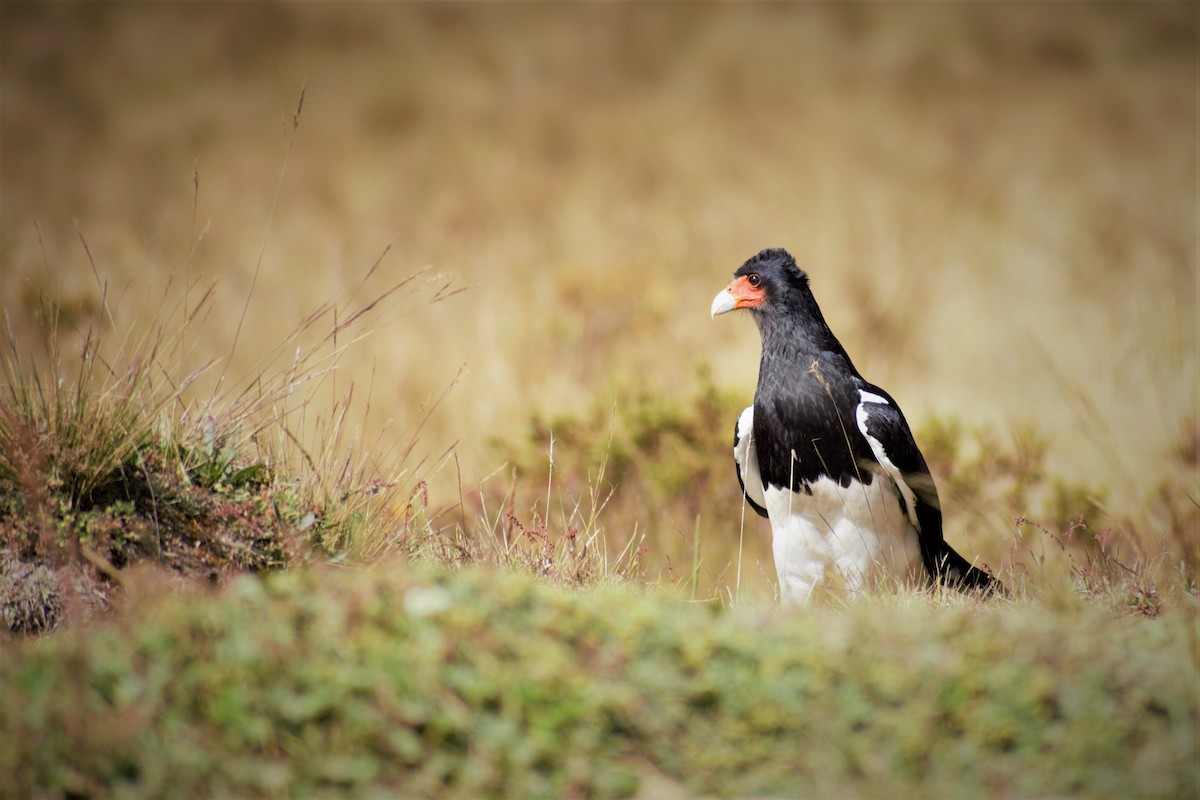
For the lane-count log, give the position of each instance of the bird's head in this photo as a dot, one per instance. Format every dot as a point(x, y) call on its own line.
point(767, 283)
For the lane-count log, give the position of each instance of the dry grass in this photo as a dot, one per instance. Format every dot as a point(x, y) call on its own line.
point(110, 457)
point(997, 206)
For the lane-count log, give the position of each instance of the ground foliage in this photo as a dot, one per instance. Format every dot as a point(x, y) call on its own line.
point(476, 683)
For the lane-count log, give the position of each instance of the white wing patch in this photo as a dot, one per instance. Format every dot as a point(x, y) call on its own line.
point(910, 500)
point(747, 458)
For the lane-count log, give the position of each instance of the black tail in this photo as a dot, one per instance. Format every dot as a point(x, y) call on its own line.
point(952, 570)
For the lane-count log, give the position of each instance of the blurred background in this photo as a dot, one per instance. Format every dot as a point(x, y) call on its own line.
point(997, 204)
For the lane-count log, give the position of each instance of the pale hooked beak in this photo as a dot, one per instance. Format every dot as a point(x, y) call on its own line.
point(724, 301)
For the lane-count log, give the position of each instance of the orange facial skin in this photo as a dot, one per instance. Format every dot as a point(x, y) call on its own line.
point(744, 294)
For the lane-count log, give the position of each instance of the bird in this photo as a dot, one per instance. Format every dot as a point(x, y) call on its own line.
point(829, 458)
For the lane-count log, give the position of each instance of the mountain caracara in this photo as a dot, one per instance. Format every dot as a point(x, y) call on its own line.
point(828, 458)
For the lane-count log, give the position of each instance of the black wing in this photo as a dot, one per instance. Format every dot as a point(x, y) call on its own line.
point(896, 451)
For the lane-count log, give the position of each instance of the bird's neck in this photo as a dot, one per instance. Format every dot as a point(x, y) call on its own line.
point(797, 347)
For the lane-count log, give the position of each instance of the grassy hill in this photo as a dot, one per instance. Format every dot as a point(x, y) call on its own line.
point(410, 681)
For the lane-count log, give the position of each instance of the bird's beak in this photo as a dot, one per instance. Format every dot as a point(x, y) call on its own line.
point(724, 301)
point(738, 294)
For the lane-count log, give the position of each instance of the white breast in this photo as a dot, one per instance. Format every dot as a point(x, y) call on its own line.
point(841, 540)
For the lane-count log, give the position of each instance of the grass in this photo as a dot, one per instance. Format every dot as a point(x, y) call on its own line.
point(1022, 235)
point(485, 683)
point(109, 458)
point(528, 576)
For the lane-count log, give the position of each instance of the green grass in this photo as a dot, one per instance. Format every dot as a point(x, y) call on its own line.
point(407, 680)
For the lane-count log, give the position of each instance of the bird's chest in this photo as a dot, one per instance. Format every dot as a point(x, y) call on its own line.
point(806, 435)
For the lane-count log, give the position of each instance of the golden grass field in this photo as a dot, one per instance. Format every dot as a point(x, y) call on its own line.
point(997, 206)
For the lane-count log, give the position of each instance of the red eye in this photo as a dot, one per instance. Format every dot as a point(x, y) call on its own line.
point(753, 280)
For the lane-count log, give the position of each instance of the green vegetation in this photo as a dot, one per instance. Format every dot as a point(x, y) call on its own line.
point(423, 683)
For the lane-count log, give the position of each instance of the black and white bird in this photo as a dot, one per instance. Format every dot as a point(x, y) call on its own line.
point(828, 458)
